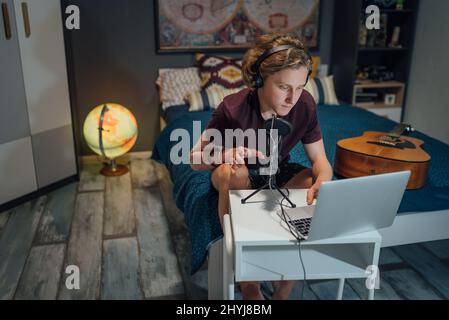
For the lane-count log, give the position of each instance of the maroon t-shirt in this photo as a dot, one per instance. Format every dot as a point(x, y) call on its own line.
point(242, 111)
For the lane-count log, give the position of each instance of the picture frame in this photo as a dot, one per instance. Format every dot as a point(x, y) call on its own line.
point(390, 99)
point(225, 25)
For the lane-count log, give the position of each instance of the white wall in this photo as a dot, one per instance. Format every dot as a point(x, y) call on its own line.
point(427, 107)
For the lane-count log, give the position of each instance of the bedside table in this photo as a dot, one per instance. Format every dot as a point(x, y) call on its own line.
point(259, 247)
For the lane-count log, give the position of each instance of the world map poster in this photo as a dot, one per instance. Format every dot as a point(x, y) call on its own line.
point(192, 25)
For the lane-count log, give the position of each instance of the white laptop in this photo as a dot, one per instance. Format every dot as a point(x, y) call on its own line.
point(349, 206)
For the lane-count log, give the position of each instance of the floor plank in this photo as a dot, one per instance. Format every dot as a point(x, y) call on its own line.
point(327, 290)
point(385, 291)
point(435, 271)
point(4, 216)
point(438, 248)
point(57, 217)
point(198, 285)
point(85, 245)
point(119, 218)
point(410, 285)
point(158, 264)
point(120, 278)
point(42, 273)
point(143, 173)
point(91, 179)
point(178, 230)
point(387, 256)
point(15, 244)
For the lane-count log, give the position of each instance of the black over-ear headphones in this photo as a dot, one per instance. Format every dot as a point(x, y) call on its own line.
point(255, 68)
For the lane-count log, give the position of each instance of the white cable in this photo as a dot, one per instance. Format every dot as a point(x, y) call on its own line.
point(271, 151)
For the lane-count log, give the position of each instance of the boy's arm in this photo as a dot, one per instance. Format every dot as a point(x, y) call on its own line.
point(196, 156)
point(233, 156)
point(321, 168)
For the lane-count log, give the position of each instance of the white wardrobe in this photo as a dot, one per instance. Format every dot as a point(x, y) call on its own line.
point(36, 136)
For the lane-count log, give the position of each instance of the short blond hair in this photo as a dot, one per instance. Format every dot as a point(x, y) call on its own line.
point(292, 58)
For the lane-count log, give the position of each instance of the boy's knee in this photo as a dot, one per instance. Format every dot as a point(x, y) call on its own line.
point(224, 172)
point(221, 176)
point(239, 178)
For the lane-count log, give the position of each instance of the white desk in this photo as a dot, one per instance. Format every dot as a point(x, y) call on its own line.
point(259, 247)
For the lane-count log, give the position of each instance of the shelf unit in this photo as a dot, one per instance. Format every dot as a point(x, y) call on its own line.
point(390, 110)
point(348, 56)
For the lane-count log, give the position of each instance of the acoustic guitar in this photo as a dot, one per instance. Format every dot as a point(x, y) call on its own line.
point(378, 152)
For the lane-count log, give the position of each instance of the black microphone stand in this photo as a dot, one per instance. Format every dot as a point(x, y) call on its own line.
point(271, 183)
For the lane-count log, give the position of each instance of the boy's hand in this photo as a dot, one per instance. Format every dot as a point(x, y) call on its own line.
point(236, 156)
point(312, 193)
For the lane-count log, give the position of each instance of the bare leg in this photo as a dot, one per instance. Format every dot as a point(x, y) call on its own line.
point(282, 289)
point(226, 178)
point(221, 180)
point(251, 291)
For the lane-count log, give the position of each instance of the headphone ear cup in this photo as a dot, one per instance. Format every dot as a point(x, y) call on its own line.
point(259, 82)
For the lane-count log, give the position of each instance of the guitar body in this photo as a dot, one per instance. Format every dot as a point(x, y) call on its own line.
point(377, 152)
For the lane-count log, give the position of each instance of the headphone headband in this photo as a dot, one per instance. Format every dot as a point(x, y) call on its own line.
point(258, 80)
point(268, 53)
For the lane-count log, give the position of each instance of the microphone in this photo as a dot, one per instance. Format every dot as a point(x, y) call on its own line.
point(283, 128)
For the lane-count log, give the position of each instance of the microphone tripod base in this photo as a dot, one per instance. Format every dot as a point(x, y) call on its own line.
point(292, 205)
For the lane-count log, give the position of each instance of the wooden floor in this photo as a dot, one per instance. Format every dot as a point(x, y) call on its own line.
point(129, 241)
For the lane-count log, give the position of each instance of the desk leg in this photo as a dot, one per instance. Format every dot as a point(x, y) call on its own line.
point(371, 294)
point(341, 286)
point(231, 291)
point(228, 259)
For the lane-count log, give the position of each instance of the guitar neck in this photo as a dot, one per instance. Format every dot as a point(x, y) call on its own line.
point(399, 129)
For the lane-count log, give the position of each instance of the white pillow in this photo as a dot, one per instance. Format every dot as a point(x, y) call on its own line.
point(322, 90)
point(174, 84)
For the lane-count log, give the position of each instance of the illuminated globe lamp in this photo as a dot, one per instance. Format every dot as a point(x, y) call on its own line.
point(110, 130)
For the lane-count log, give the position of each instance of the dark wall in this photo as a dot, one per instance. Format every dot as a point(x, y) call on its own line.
point(112, 58)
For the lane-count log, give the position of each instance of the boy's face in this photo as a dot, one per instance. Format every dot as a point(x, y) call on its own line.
point(281, 90)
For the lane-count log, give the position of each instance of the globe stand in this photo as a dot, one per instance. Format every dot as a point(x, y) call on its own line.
point(114, 169)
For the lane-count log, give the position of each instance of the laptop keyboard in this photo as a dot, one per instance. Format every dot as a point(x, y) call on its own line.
point(302, 225)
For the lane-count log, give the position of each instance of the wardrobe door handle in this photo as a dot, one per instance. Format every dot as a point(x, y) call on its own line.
point(26, 19)
point(6, 21)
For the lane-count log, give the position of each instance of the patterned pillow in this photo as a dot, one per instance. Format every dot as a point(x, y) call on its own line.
point(219, 71)
point(322, 90)
point(209, 98)
point(174, 84)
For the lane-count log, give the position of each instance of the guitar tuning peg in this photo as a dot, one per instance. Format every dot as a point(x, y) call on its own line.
point(408, 127)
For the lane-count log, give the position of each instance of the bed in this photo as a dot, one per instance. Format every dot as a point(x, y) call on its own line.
point(422, 216)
